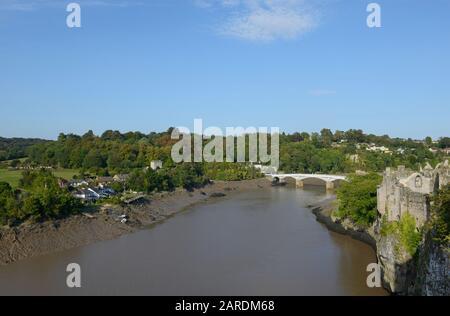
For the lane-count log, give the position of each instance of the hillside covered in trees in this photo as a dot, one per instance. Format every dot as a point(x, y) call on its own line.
point(114, 153)
point(16, 148)
point(325, 152)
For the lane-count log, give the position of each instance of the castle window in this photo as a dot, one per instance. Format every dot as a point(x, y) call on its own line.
point(418, 182)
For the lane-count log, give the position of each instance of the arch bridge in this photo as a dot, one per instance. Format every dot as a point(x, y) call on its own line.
point(331, 181)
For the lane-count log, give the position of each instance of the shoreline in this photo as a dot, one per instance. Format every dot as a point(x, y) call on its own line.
point(28, 241)
point(323, 212)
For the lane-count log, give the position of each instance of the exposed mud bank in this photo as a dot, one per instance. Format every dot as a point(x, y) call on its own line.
point(323, 213)
point(34, 240)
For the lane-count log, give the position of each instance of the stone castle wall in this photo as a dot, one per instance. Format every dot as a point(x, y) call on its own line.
point(404, 191)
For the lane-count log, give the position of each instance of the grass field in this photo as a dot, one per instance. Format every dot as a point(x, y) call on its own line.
point(13, 177)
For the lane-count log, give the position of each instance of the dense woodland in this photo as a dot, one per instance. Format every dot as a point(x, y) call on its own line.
point(111, 153)
point(324, 152)
point(328, 152)
point(16, 148)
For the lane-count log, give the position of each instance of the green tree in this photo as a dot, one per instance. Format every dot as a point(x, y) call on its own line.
point(358, 199)
point(326, 136)
point(444, 142)
point(429, 141)
point(441, 215)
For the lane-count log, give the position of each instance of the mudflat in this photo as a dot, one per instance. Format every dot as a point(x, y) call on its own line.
point(31, 240)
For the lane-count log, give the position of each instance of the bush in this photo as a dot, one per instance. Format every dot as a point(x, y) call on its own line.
point(43, 199)
point(441, 215)
point(406, 232)
point(358, 199)
point(230, 171)
point(188, 176)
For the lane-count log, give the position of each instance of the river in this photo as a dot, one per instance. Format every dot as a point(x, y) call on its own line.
point(264, 242)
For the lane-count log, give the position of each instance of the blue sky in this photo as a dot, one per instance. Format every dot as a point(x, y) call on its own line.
point(300, 65)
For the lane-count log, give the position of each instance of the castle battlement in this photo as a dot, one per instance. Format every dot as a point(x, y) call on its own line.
point(405, 191)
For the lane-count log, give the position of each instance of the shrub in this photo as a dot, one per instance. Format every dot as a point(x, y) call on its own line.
point(406, 232)
point(357, 199)
point(441, 215)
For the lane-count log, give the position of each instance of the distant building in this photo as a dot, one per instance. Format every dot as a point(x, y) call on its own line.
point(156, 164)
point(434, 150)
point(104, 181)
point(446, 151)
point(382, 149)
point(266, 169)
point(121, 177)
point(78, 183)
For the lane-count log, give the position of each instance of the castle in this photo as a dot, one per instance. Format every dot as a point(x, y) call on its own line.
point(404, 191)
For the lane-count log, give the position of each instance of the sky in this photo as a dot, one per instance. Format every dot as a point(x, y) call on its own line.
point(300, 65)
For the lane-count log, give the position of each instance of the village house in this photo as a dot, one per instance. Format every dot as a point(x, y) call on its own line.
point(266, 169)
point(156, 164)
point(121, 177)
point(103, 182)
point(78, 183)
point(382, 149)
point(446, 151)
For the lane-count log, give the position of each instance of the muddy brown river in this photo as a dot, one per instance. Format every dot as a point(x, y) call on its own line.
point(265, 242)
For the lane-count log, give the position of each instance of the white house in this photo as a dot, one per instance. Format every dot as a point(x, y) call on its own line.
point(156, 164)
point(266, 169)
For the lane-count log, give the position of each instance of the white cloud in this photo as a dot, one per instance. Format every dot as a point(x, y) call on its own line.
point(265, 20)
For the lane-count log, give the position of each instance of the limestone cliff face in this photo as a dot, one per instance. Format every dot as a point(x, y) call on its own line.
point(397, 267)
point(427, 273)
point(433, 269)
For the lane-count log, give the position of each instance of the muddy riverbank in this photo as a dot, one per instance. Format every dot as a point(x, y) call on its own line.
point(31, 240)
point(323, 212)
point(425, 274)
point(261, 242)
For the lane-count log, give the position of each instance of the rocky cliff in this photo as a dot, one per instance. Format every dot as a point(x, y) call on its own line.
point(432, 276)
point(425, 273)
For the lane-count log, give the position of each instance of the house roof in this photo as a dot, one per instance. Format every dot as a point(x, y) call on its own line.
point(121, 177)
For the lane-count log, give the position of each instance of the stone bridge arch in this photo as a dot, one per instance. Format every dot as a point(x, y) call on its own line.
point(290, 181)
point(300, 180)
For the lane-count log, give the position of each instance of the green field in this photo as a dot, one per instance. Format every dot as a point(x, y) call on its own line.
point(13, 177)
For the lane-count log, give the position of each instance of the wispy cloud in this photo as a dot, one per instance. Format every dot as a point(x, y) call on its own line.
point(30, 5)
point(265, 20)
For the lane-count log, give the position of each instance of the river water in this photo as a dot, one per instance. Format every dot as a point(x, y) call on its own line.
point(264, 242)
